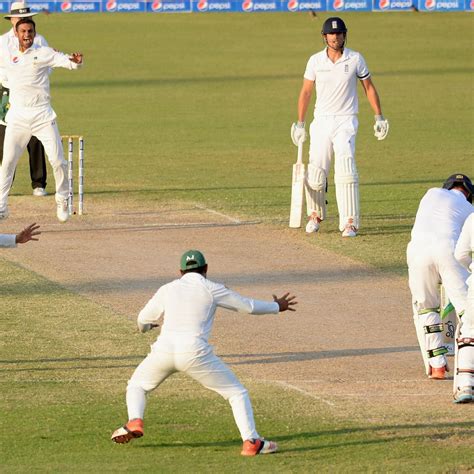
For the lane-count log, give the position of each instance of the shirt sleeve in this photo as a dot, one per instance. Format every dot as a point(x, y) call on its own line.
point(58, 59)
point(152, 312)
point(229, 299)
point(41, 40)
point(310, 71)
point(362, 69)
point(464, 246)
point(7, 240)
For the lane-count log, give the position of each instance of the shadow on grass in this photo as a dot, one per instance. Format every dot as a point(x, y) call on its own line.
point(386, 430)
point(269, 358)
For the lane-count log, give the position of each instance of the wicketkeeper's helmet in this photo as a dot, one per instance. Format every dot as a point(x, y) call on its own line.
point(334, 25)
point(462, 181)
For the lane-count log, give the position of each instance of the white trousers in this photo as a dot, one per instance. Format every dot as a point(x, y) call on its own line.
point(22, 124)
point(336, 135)
point(429, 264)
point(203, 366)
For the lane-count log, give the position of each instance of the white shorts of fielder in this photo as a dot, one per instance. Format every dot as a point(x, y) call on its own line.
point(203, 366)
point(21, 126)
point(428, 265)
point(334, 135)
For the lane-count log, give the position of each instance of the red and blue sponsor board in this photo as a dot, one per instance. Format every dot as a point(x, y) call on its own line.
point(246, 6)
point(394, 5)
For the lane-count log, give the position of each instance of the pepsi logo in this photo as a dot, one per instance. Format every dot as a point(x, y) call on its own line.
point(293, 5)
point(338, 4)
point(111, 6)
point(430, 4)
point(472, 4)
point(202, 5)
point(156, 6)
point(247, 6)
point(66, 6)
point(384, 4)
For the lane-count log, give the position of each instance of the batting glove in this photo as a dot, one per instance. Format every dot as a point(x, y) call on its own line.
point(298, 133)
point(381, 127)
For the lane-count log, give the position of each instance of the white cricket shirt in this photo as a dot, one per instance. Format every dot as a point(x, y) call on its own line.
point(188, 306)
point(28, 73)
point(11, 42)
point(336, 83)
point(440, 216)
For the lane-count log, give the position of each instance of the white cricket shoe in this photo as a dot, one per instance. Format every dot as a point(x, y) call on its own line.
point(39, 192)
point(4, 214)
point(463, 395)
point(350, 230)
point(313, 223)
point(62, 211)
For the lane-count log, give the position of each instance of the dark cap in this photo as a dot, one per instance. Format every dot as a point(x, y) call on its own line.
point(192, 259)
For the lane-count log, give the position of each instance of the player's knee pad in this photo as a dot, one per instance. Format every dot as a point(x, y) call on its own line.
point(347, 193)
point(315, 190)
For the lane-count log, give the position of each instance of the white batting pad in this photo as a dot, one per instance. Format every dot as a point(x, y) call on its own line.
point(315, 191)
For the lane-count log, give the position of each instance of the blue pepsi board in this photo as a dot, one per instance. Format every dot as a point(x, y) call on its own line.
point(112, 6)
point(203, 6)
point(394, 5)
point(303, 5)
point(169, 6)
point(78, 7)
point(441, 5)
point(349, 5)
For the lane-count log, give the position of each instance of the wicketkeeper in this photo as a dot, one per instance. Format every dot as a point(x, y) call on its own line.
point(430, 257)
point(335, 72)
point(188, 306)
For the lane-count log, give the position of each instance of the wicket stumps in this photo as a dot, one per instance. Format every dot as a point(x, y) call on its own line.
point(70, 172)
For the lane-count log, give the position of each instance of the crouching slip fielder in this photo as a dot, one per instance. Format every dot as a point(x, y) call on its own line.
point(188, 306)
point(334, 71)
point(30, 111)
point(430, 257)
point(464, 360)
point(27, 234)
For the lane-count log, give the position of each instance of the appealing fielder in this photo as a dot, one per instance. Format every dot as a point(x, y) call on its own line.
point(188, 306)
point(464, 360)
point(30, 112)
point(430, 257)
point(334, 72)
point(27, 234)
point(36, 153)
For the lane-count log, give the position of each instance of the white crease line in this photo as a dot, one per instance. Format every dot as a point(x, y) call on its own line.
point(212, 211)
point(304, 392)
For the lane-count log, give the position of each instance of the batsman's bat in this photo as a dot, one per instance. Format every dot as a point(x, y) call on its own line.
point(297, 189)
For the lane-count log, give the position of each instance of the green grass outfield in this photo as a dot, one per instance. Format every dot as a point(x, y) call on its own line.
point(198, 108)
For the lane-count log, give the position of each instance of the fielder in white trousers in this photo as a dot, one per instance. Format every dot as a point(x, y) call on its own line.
point(430, 258)
point(188, 306)
point(27, 68)
point(464, 370)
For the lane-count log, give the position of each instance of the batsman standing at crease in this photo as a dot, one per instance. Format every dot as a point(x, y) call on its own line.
point(30, 112)
point(430, 258)
point(36, 153)
point(188, 307)
point(334, 72)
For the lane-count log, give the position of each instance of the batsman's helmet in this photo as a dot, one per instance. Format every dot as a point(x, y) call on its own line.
point(462, 181)
point(333, 25)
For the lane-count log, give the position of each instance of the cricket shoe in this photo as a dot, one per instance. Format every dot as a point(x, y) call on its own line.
point(252, 447)
point(438, 373)
point(463, 395)
point(4, 215)
point(350, 230)
point(133, 429)
point(39, 192)
point(313, 223)
point(62, 211)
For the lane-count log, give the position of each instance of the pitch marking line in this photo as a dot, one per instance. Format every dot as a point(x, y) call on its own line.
point(300, 390)
point(217, 213)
